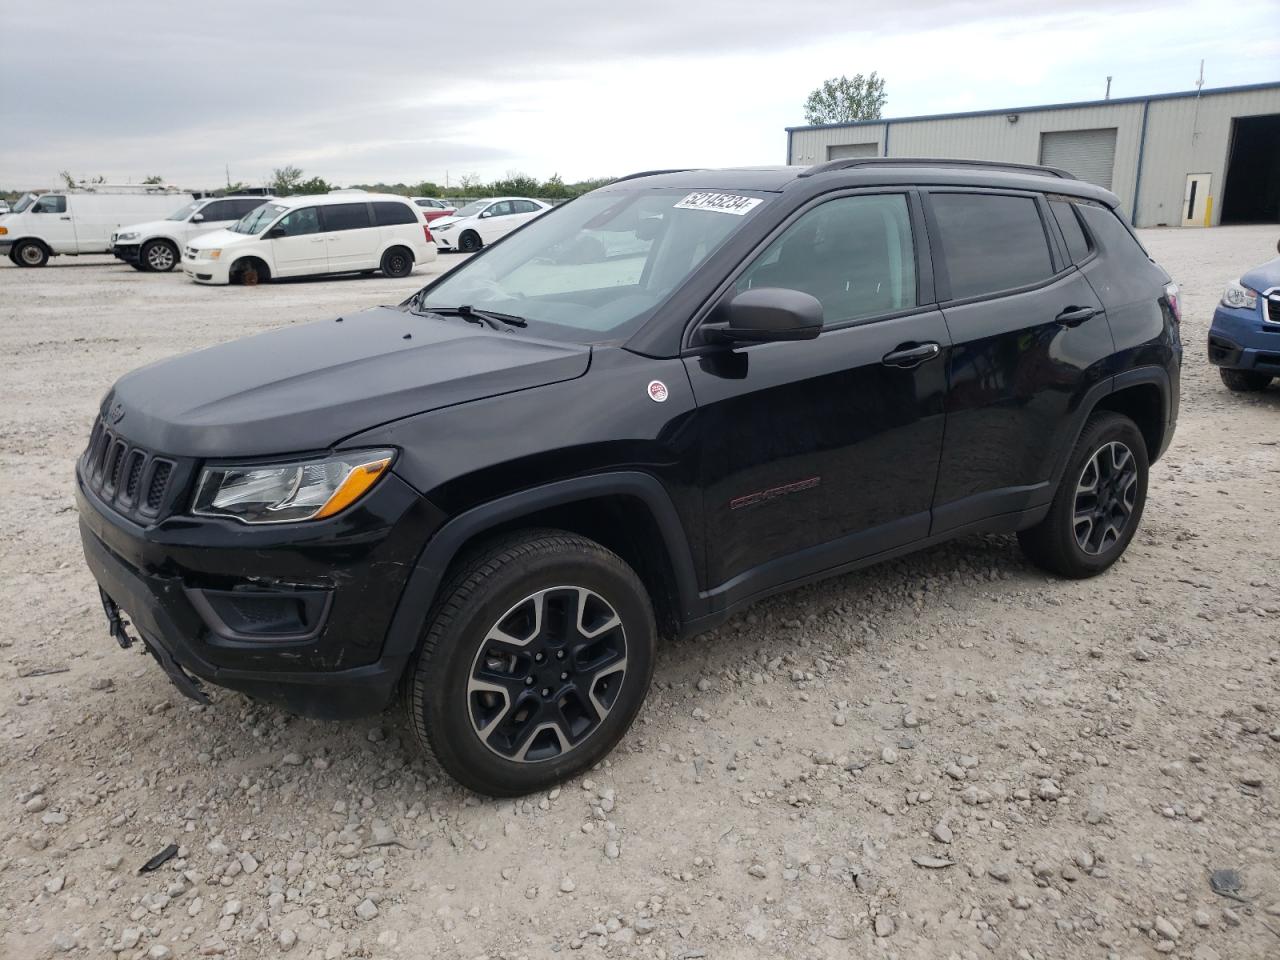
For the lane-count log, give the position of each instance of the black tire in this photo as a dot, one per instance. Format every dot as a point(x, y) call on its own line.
point(397, 262)
point(502, 743)
point(469, 242)
point(249, 272)
point(158, 256)
point(1086, 532)
point(30, 253)
point(1244, 381)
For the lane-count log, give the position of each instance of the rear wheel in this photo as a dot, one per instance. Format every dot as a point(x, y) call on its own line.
point(1244, 381)
point(31, 253)
point(469, 242)
point(1098, 504)
point(159, 255)
point(397, 262)
point(534, 664)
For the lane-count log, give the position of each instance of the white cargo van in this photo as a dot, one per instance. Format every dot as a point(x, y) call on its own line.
point(80, 220)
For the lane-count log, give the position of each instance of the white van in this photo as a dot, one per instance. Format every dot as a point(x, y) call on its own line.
point(81, 220)
point(157, 245)
point(343, 232)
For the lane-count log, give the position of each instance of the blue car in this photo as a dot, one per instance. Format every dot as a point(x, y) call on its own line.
point(1244, 340)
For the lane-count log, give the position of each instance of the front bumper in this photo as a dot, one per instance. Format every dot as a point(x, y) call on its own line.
point(1243, 340)
point(5, 247)
point(206, 271)
point(128, 252)
point(295, 615)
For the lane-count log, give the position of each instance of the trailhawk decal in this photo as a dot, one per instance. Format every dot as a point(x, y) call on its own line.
point(718, 203)
point(764, 496)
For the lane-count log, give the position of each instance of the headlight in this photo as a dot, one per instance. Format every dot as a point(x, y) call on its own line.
point(130, 235)
point(1239, 296)
point(209, 254)
point(288, 492)
point(445, 229)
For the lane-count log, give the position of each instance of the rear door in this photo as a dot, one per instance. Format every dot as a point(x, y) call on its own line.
point(398, 223)
point(301, 248)
point(351, 235)
point(217, 215)
point(53, 221)
point(1030, 338)
point(822, 451)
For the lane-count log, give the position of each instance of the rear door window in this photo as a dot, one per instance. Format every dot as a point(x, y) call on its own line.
point(219, 210)
point(388, 213)
point(990, 243)
point(345, 216)
point(240, 207)
point(854, 254)
point(1072, 232)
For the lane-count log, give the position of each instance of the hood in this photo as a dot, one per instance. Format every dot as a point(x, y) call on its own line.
point(439, 222)
point(220, 238)
point(1263, 277)
point(307, 387)
point(150, 228)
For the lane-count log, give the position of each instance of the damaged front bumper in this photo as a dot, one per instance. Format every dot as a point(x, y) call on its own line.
point(294, 614)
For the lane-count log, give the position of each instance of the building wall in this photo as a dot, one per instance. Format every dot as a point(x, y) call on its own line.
point(1170, 152)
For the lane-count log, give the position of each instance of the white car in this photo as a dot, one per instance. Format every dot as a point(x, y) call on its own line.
point(485, 221)
point(80, 221)
point(4, 207)
point(157, 244)
point(346, 232)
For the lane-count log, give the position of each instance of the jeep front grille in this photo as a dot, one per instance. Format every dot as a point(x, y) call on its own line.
point(129, 479)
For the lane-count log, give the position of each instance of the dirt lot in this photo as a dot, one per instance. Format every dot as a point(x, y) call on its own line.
point(1075, 757)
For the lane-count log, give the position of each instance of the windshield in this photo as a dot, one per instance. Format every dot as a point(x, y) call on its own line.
point(258, 219)
point(23, 202)
point(598, 267)
point(471, 209)
point(184, 212)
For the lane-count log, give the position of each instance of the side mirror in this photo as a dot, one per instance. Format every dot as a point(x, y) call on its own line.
point(765, 314)
point(273, 233)
point(197, 217)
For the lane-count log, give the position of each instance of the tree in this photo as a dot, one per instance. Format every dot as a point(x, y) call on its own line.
point(154, 178)
point(314, 185)
point(68, 179)
point(845, 99)
point(284, 180)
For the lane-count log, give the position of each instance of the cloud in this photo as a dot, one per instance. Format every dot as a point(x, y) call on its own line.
point(352, 93)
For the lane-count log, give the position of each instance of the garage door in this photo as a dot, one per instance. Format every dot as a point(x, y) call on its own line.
point(1087, 154)
point(844, 150)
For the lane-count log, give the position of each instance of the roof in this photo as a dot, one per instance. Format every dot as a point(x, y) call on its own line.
point(1115, 101)
point(324, 199)
point(893, 171)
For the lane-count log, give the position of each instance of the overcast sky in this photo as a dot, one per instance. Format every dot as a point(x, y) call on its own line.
point(354, 92)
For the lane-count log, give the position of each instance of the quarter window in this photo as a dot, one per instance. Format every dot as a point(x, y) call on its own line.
point(854, 254)
point(389, 212)
point(1069, 223)
point(300, 222)
point(50, 204)
point(345, 216)
point(991, 243)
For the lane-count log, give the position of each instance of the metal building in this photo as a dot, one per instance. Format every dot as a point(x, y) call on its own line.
point(1190, 159)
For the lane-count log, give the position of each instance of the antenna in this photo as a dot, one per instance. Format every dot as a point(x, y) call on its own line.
point(1195, 117)
point(1108, 96)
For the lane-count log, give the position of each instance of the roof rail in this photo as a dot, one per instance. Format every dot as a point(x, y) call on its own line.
point(652, 173)
point(850, 162)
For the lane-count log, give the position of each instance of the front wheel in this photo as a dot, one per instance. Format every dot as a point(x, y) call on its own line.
point(159, 256)
point(397, 262)
point(1098, 504)
point(29, 253)
point(535, 663)
point(1244, 381)
point(469, 242)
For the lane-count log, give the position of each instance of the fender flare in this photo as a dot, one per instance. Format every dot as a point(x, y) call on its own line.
point(1136, 376)
point(425, 580)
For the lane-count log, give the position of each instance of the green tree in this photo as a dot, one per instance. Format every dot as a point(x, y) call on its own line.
point(284, 180)
point(68, 179)
point(314, 185)
point(846, 99)
point(154, 178)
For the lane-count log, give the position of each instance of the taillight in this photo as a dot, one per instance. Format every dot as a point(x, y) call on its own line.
point(1175, 306)
point(430, 239)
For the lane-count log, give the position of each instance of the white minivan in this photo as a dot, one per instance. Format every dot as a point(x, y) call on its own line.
point(80, 220)
point(343, 232)
point(157, 244)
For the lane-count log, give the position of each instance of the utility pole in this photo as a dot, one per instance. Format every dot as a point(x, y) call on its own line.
point(1108, 96)
point(1195, 118)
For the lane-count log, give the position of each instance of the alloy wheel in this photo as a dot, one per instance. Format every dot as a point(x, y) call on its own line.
point(160, 257)
point(547, 674)
point(1105, 496)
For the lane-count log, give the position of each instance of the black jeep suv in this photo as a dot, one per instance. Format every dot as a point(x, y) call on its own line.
point(634, 416)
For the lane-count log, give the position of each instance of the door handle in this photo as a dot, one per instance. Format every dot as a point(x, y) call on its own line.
point(1074, 316)
point(907, 357)
point(64, 218)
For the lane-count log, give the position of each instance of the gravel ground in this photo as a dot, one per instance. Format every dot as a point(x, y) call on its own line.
point(950, 755)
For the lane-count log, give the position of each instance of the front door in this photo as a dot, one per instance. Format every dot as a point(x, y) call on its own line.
point(1030, 337)
point(1197, 202)
point(819, 452)
point(54, 221)
point(300, 248)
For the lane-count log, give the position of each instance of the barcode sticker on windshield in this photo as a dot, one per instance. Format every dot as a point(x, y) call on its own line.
point(718, 203)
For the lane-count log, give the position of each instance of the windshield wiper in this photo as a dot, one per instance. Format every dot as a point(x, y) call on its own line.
point(469, 313)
